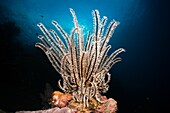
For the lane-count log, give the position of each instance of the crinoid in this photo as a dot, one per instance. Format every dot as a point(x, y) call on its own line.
point(83, 65)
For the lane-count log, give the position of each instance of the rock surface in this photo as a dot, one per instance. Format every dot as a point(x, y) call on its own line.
point(108, 106)
point(52, 110)
point(64, 103)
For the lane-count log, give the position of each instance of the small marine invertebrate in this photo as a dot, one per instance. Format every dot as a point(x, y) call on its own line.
point(83, 64)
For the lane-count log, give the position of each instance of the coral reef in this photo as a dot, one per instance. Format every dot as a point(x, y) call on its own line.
point(83, 64)
point(64, 103)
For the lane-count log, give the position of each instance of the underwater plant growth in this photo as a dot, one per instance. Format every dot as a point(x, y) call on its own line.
point(83, 63)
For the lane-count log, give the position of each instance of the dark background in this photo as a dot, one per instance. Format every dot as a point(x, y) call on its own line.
point(139, 83)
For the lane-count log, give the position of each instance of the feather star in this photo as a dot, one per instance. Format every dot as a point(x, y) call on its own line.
point(84, 67)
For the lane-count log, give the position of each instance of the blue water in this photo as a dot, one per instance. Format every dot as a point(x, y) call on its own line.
point(27, 13)
point(136, 82)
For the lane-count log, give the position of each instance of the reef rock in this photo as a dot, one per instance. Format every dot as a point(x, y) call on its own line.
point(52, 110)
point(64, 103)
point(107, 106)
